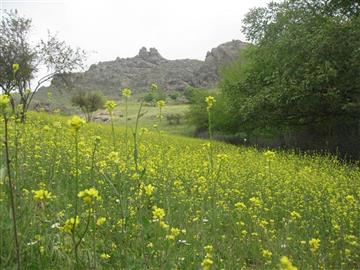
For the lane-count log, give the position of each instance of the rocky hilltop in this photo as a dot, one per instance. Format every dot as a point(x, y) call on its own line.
point(148, 67)
point(207, 75)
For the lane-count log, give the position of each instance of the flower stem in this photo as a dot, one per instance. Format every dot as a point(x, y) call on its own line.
point(126, 128)
point(112, 131)
point(76, 199)
point(136, 154)
point(11, 188)
point(211, 141)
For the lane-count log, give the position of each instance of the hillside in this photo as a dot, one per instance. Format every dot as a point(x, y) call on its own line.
point(171, 202)
point(147, 67)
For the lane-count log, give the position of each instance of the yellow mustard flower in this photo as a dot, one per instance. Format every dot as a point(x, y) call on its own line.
point(160, 103)
point(149, 189)
point(269, 155)
point(42, 195)
point(126, 92)
point(350, 199)
point(240, 205)
point(295, 215)
point(286, 264)
point(15, 67)
point(174, 232)
point(158, 213)
point(314, 244)
point(4, 102)
point(69, 224)
point(100, 221)
point(210, 100)
point(154, 86)
point(255, 201)
point(163, 225)
point(208, 248)
point(76, 122)
point(89, 195)
point(207, 263)
point(105, 256)
point(110, 105)
point(266, 253)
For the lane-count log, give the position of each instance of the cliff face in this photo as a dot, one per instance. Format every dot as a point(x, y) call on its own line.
point(148, 67)
point(208, 74)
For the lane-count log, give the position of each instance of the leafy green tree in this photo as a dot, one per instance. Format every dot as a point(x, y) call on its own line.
point(88, 102)
point(174, 95)
point(149, 97)
point(197, 114)
point(20, 60)
point(160, 95)
point(155, 94)
point(189, 93)
point(302, 73)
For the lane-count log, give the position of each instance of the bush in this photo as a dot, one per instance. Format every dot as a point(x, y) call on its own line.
point(191, 94)
point(174, 96)
point(197, 114)
point(301, 76)
point(154, 95)
point(173, 118)
point(149, 97)
point(88, 103)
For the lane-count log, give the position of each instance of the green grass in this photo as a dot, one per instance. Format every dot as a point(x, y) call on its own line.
point(150, 117)
point(172, 203)
point(150, 112)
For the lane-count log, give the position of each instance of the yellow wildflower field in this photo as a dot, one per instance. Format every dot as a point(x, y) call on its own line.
point(88, 197)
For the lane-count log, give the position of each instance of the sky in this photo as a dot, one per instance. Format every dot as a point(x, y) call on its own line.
point(107, 29)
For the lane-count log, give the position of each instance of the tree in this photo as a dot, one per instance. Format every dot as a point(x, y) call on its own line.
point(149, 97)
point(20, 60)
point(197, 114)
point(302, 73)
point(88, 102)
point(155, 94)
point(174, 95)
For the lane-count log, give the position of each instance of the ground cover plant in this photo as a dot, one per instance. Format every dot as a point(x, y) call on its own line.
point(97, 196)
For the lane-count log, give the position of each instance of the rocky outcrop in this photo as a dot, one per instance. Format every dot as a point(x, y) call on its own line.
point(148, 67)
point(208, 74)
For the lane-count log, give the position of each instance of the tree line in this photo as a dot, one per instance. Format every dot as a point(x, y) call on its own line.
point(298, 82)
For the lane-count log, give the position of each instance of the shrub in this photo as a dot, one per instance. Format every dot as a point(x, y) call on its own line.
point(88, 102)
point(173, 118)
point(197, 114)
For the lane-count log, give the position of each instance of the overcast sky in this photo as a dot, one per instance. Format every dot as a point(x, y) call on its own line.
point(112, 28)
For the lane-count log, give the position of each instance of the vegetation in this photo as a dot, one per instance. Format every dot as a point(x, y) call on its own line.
point(88, 102)
point(299, 79)
point(149, 117)
point(174, 95)
point(154, 95)
point(301, 72)
point(174, 118)
point(78, 195)
point(20, 60)
point(197, 114)
point(83, 201)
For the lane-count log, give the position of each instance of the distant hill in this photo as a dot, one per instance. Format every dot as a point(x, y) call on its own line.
point(148, 67)
point(207, 76)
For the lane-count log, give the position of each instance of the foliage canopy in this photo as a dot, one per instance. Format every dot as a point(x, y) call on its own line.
point(88, 102)
point(16, 48)
point(302, 70)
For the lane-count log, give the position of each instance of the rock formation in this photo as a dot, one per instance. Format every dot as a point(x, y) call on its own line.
point(208, 74)
point(148, 67)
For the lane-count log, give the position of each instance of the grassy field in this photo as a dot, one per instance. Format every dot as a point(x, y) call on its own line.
point(150, 117)
point(89, 197)
point(149, 112)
